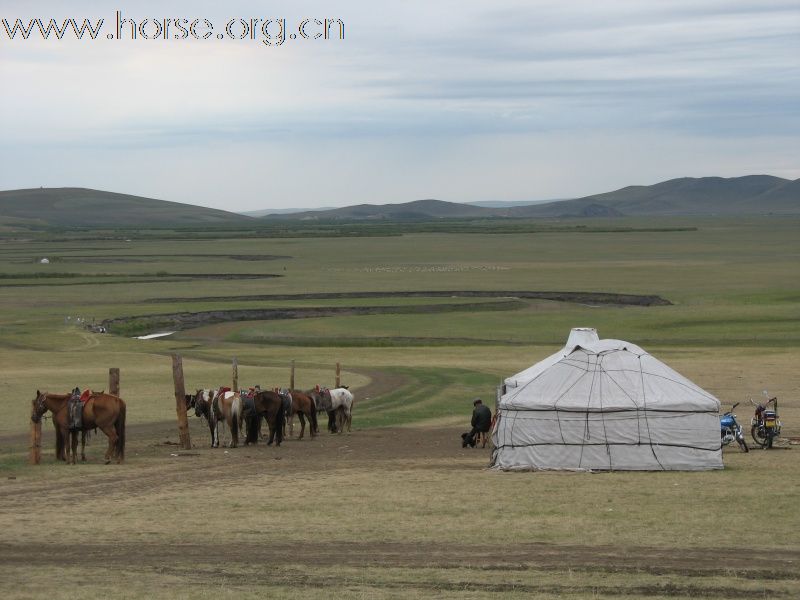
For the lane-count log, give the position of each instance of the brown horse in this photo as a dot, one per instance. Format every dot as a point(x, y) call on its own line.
point(268, 405)
point(304, 407)
point(58, 402)
point(227, 408)
point(101, 410)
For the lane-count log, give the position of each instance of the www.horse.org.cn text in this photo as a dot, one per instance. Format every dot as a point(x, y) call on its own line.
point(268, 31)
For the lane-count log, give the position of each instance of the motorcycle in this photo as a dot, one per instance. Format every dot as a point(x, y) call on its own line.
point(731, 430)
point(765, 425)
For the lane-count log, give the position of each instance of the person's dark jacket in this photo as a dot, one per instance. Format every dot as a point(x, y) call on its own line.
point(482, 418)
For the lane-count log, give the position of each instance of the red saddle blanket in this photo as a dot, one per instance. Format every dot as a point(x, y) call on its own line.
point(86, 395)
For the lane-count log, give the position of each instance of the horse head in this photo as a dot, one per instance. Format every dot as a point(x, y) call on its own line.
point(39, 406)
point(200, 404)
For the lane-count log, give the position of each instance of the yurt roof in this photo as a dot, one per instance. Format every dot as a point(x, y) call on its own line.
point(604, 375)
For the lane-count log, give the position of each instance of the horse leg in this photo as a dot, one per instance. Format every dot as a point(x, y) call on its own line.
point(83, 446)
point(234, 434)
point(74, 446)
point(339, 420)
point(60, 443)
point(349, 416)
point(272, 429)
point(332, 421)
point(302, 425)
point(70, 448)
point(112, 441)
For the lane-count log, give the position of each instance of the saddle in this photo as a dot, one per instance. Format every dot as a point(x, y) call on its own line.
point(75, 410)
point(286, 398)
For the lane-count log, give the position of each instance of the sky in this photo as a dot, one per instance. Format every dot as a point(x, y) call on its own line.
point(462, 100)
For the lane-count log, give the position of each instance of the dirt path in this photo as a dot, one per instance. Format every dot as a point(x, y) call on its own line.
point(687, 562)
point(156, 466)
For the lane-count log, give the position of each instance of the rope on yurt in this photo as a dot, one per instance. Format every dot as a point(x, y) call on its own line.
point(584, 366)
point(585, 370)
point(646, 420)
point(599, 369)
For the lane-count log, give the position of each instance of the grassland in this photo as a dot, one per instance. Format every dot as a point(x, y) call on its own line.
point(733, 327)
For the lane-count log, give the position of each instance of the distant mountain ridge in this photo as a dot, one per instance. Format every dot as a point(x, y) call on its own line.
point(82, 207)
point(687, 196)
point(751, 194)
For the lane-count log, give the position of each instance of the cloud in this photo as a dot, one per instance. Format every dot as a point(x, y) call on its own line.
point(429, 93)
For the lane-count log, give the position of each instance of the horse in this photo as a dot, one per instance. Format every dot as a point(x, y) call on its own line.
point(227, 406)
point(269, 405)
point(201, 403)
point(219, 407)
point(323, 402)
point(342, 404)
point(101, 410)
point(56, 403)
point(304, 407)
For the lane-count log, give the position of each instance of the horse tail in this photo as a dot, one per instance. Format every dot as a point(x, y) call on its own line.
point(236, 415)
point(280, 422)
point(119, 426)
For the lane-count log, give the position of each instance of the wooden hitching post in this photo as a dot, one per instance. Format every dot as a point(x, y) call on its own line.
point(291, 377)
point(113, 381)
point(180, 402)
point(235, 387)
point(36, 443)
point(338, 375)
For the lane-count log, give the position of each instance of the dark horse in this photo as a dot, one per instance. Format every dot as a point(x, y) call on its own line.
point(268, 405)
point(202, 408)
point(305, 407)
point(102, 411)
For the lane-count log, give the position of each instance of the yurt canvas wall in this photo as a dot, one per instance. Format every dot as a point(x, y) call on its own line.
point(605, 405)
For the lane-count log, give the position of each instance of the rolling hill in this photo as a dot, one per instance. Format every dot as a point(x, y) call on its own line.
point(748, 195)
point(418, 210)
point(705, 196)
point(80, 207)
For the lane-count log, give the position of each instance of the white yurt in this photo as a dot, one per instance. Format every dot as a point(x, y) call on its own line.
point(604, 405)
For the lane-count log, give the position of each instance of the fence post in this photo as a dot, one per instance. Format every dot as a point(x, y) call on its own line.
point(291, 377)
point(113, 381)
point(235, 387)
point(338, 375)
point(180, 402)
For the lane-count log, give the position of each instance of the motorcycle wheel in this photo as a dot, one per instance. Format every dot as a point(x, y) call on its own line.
point(758, 438)
point(743, 444)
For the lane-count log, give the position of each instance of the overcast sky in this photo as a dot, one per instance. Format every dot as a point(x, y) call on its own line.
point(456, 100)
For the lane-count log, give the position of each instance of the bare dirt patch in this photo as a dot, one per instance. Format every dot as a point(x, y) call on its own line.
point(188, 320)
point(578, 297)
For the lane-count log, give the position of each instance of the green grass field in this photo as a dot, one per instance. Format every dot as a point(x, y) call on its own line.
point(733, 327)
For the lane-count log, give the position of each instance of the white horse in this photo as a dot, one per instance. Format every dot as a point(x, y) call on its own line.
point(342, 398)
